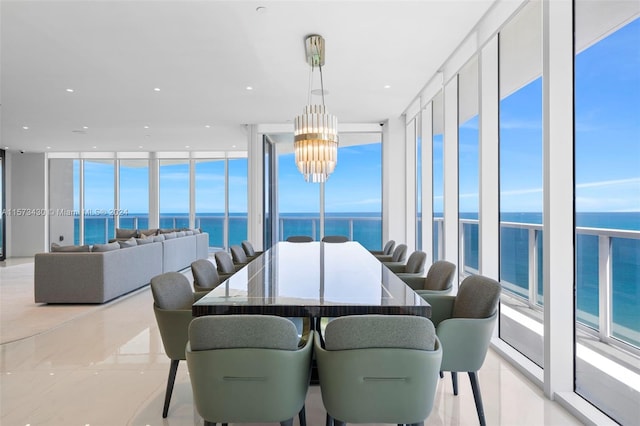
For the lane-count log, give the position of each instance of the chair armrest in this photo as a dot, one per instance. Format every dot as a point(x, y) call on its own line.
point(384, 257)
point(406, 275)
point(441, 306)
point(396, 266)
point(465, 342)
point(414, 281)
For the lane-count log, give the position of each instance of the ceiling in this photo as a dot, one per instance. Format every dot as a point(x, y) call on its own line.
point(202, 56)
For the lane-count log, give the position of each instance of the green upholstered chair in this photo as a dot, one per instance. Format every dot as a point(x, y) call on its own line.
point(224, 264)
point(249, 250)
point(378, 369)
point(205, 275)
point(172, 300)
point(464, 324)
point(335, 239)
point(248, 369)
point(238, 256)
point(387, 250)
point(399, 254)
point(413, 268)
point(439, 279)
point(299, 239)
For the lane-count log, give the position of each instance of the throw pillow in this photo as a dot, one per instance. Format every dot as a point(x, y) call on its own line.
point(147, 232)
point(141, 241)
point(126, 233)
point(158, 238)
point(105, 247)
point(169, 235)
point(180, 234)
point(131, 242)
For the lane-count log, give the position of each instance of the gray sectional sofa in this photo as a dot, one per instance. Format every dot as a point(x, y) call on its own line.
point(100, 276)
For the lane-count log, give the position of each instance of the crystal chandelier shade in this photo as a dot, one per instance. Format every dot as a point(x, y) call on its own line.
point(315, 131)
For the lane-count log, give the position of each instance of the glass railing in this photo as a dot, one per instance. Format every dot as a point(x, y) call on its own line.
point(607, 274)
point(365, 229)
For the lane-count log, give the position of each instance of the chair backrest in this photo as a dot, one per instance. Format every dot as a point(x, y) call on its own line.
point(172, 291)
point(388, 248)
point(247, 368)
point(299, 239)
point(335, 239)
point(379, 368)
point(242, 331)
point(248, 248)
point(400, 253)
point(379, 331)
point(415, 263)
point(205, 274)
point(440, 276)
point(477, 297)
point(172, 297)
point(238, 254)
point(224, 262)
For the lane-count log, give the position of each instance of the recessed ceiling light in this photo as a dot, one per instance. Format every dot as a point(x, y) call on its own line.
point(386, 86)
point(25, 127)
point(146, 127)
point(207, 126)
point(85, 127)
point(139, 146)
point(156, 89)
point(187, 146)
point(70, 90)
point(94, 147)
point(249, 88)
point(48, 147)
point(233, 146)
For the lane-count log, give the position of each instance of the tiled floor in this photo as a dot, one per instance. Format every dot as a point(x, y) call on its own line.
point(105, 365)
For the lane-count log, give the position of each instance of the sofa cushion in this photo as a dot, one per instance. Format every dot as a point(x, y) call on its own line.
point(189, 232)
point(170, 235)
point(105, 247)
point(126, 233)
point(68, 249)
point(180, 234)
point(158, 238)
point(131, 242)
point(147, 232)
point(166, 230)
point(141, 241)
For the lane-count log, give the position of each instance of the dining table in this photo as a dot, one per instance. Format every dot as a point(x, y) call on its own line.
point(313, 280)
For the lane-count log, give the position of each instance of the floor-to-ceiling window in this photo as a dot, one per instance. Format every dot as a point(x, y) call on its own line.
point(607, 216)
point(99, 197)
point(468, 167)
point(238, 201)
point(174, 194)
point(134, 194)
point(352, 202)
point(437, 171)
point(520, 189)
point(211, 199)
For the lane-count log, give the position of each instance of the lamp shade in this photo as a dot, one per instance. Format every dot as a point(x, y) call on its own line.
point(316, 143)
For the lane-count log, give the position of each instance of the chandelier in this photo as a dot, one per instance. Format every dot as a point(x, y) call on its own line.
point(315, 131)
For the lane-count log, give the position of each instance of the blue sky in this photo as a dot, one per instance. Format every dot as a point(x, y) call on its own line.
point(607, 152)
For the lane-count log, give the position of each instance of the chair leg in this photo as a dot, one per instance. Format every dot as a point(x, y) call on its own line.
point(441, 374)
point(475, 386)
point(206, 423)
point(287, 422)
point(302, 416)
point(329, 421)
point(173, 369)
point(454, 381)
point(339, 423)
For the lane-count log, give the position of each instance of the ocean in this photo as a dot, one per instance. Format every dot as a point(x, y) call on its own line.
point(366, 228)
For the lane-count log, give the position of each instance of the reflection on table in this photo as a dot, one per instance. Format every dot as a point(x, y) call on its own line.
point(313, 280)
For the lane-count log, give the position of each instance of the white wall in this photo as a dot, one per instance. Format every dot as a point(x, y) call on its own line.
point(28, 183)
